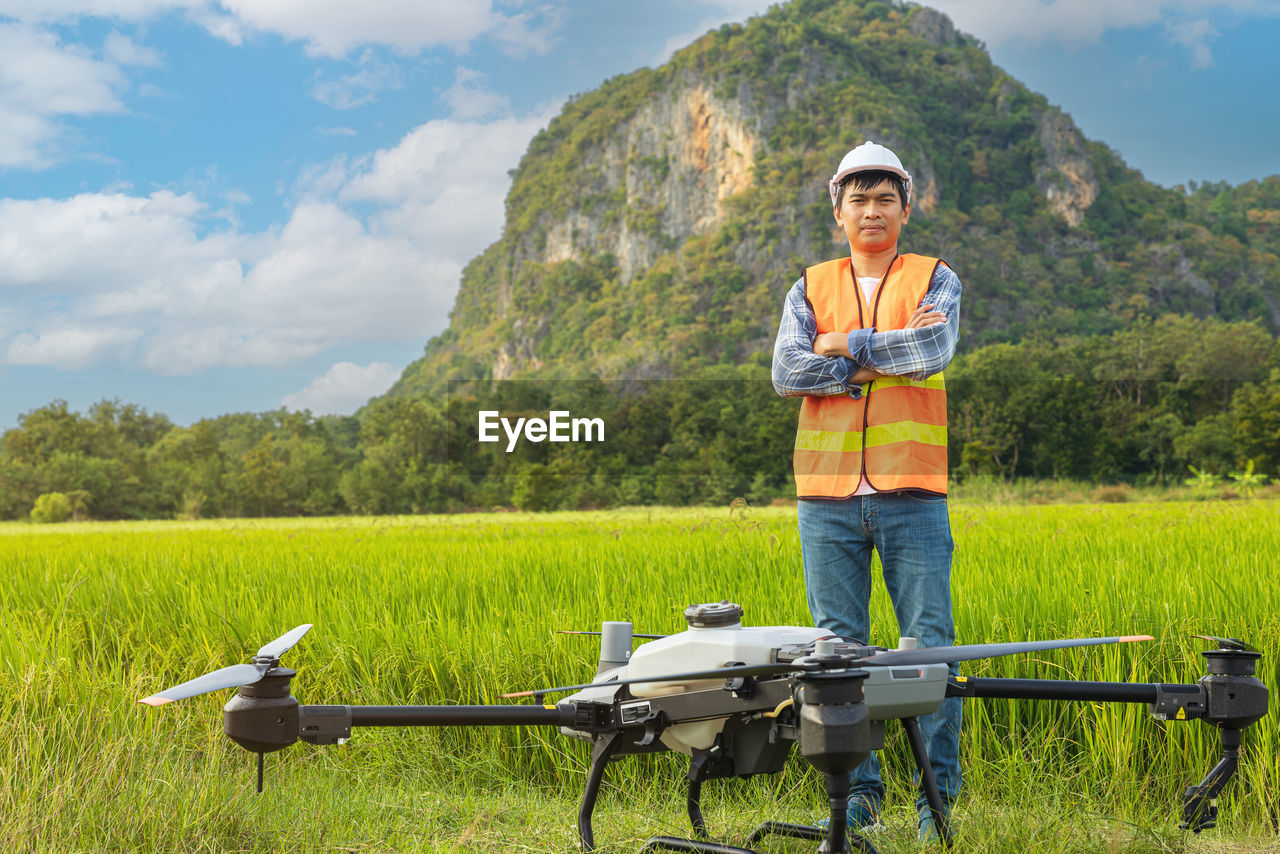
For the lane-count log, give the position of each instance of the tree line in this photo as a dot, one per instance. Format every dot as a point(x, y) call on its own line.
point(1139, 406)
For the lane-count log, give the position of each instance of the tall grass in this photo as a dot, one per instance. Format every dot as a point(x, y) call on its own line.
point(462, 609)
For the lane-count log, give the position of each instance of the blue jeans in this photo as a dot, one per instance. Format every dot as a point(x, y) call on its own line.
point(912, 533)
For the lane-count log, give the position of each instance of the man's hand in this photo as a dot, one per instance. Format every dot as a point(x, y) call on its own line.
point(832, 344)
point(837, 344)
point(922, 317)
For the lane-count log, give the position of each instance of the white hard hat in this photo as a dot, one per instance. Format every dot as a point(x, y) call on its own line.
point(866, 158)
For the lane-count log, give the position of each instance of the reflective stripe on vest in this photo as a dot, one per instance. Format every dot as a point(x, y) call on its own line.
point(897, 432)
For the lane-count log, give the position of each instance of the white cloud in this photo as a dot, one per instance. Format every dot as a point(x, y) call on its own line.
point(334, 27)
point(1195, 36)
point(470, 98)
point(225, 27)
point(362, 87)
point(194, 303)
point(330, 28)
point(446, 155)
point(444, 184)
point(98, 242)
point(43, 82)
point(42, 79)
point(520, 36)
point(321, 180)
point(1077, 22)
point(25, 138)
point(343, 389)
point(329, 277)
point(144, 280)
point(123, 50)
point(65, 10)
point(69, 346)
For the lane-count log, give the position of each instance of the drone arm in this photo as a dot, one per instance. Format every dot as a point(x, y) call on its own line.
point(562, 715)
point(1054, 689)
point(329, 724)
point(1233, 702)
point(1166, 701)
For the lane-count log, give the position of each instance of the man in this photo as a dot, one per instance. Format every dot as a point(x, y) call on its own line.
point(863, 340)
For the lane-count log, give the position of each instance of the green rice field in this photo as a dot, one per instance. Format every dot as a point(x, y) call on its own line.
point(460, 609)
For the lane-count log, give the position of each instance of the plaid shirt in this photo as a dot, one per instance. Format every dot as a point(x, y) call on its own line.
point(913, 353)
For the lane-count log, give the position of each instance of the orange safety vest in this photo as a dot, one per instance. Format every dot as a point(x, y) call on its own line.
point(897, 431)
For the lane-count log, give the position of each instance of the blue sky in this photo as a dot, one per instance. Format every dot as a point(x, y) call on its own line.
point(212, 206)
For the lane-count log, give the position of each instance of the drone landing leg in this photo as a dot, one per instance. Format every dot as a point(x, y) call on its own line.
point(260, 755)
point(699, 768)
point(1200, 803)
point(601, 753)
point(927, 780)
point(695, 807)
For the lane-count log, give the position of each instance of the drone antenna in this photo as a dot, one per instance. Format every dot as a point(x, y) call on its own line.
point(260, 755)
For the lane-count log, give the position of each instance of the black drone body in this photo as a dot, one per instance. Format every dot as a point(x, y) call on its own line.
point(758, 692)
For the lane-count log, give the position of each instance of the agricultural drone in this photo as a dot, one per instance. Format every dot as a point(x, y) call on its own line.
point(747, 694)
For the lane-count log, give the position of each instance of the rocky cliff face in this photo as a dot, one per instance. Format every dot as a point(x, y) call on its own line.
point(669, 167)
point(1066, 177)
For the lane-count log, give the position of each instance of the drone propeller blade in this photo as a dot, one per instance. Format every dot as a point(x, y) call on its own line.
point(717, 673)
point(234, 676)
point(597, 634)
point(933, 655)
point(1227, 643)
point(972, 652)
point(228, 677)
point(284, 643)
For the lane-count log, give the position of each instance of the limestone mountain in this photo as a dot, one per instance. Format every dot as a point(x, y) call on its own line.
point(653, 228)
